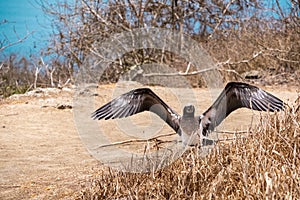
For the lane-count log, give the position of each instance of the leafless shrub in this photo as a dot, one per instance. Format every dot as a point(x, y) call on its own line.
point(18, 75)
point(240, 36)
point(15, 76)
point(83, 23)
point(270, 45)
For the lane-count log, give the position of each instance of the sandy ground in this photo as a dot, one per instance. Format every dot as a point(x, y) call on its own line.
point(42, 155)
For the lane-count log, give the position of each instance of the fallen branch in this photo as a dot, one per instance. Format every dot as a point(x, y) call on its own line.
point(232, 132)
point(156, 139)
point(230, 139)
point(136, 140)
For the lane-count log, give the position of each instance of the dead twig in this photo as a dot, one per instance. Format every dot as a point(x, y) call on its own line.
point(136, 140)
point(230, 139)
point(232, 132)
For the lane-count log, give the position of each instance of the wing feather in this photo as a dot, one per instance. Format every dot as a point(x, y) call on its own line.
point(237, 95)
point(136, 101)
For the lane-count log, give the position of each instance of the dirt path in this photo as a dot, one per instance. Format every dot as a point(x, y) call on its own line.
point(42, 156)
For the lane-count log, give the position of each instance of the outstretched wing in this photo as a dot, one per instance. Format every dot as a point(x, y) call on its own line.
point(136, 101)
point(237, 95)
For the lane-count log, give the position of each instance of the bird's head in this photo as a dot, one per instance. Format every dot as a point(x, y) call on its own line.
point(189, 111)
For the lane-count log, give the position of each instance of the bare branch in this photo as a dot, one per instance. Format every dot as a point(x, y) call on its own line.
point(51, 77)
point(66, 83)
point(217, 67)
point(20, 40)
point(254, 56)
point(188, 68)
point(37, 71)
point(221, 20)
point(283, 59)
point(181, 73)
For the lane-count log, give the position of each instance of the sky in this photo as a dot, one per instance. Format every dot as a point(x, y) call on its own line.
point(19, 18)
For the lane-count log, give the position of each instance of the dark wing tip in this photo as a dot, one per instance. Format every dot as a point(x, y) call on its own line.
point(260, 99)
point(269, 101)
point(125, 105)
point(101, 113)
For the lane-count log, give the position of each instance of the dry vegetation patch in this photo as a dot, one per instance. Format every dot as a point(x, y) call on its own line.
point(264, 165)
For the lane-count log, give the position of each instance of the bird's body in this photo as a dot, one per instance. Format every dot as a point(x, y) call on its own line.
point(191, 128)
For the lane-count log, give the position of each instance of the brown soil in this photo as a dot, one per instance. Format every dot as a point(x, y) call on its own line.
point(42, 156)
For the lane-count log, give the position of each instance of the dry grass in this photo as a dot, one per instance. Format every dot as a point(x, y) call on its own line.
point(265, 165)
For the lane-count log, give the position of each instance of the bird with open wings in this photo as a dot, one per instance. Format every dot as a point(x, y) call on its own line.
point(192, 128)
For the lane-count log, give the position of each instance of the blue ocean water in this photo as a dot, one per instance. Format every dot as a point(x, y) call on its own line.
point(19, 18)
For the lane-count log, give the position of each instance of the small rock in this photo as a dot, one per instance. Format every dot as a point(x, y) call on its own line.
point(253, 74)
point(62, 107)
